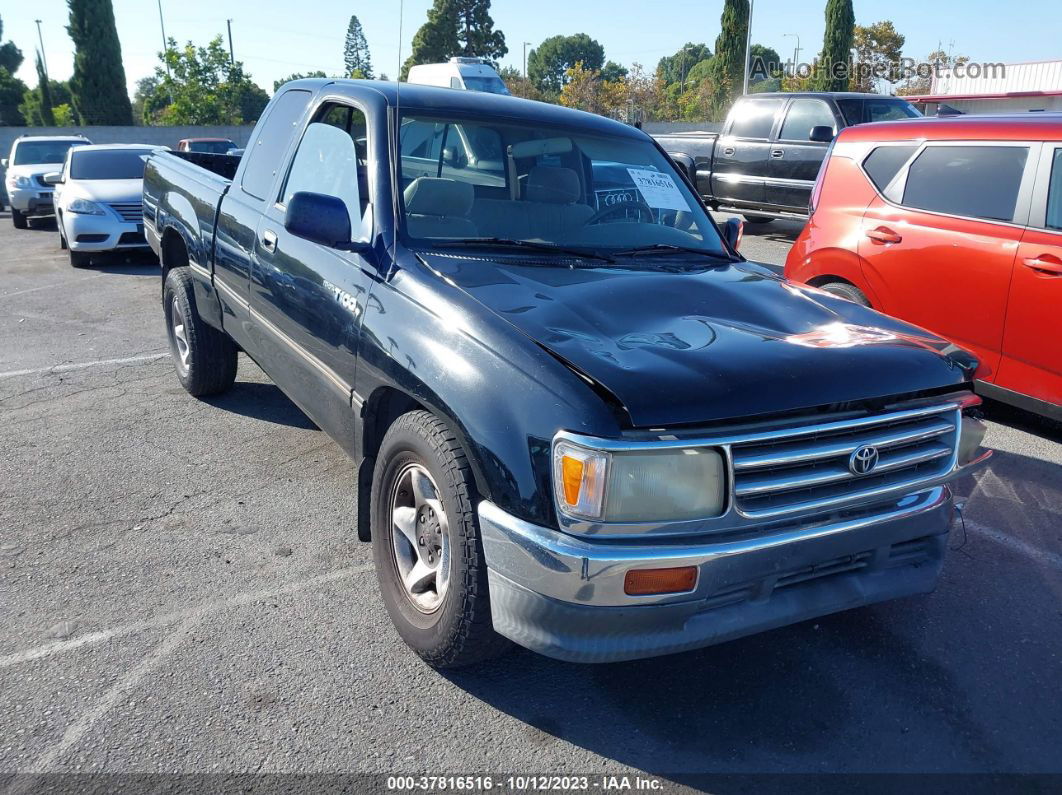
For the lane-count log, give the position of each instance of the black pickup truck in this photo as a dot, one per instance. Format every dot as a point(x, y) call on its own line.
point(764, 162)
point(581, 423)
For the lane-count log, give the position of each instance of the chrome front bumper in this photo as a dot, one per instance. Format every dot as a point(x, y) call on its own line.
point(563, 596)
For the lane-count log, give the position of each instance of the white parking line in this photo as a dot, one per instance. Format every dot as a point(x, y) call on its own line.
point(167, 619)
point(62, 368)
point(52, 286)
point(76, 730)
point(1015, 544)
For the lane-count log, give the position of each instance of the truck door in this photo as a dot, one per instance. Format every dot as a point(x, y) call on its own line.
point(242, 208)
point(740, 160)
point(1032, 340)
point(308, 299)
point(795, 158)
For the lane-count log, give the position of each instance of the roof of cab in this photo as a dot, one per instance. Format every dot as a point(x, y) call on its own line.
point(433, 99)
point(1030, 126)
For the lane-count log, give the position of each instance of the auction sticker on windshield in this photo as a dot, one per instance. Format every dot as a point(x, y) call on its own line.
point(658, 190)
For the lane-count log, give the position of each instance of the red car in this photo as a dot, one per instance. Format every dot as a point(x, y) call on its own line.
point(954, 224)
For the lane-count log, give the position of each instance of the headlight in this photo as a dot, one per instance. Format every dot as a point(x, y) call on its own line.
point(653, 485)
point(84, 207)
point(23, 182)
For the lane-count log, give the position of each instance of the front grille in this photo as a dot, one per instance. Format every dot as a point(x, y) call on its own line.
point(132, 212)
point(804, 469)
point(131, 239)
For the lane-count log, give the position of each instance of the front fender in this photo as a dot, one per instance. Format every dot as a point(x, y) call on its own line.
point(503, 395)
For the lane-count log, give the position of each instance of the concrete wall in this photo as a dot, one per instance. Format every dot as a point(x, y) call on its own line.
point(164, 136)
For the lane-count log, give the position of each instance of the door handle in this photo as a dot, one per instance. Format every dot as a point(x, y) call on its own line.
point(728, 151)
point(1045, 264)
point(777, 153)
point(269, 240)
point(883, 235)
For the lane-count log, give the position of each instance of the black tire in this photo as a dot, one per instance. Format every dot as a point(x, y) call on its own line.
point(79, 259)
point(18, 219)
point(847, 291)
point(206, 365)
point(458, 632)
point(757, 220)
point(62, 237)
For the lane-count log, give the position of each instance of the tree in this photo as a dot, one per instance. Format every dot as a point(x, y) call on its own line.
point(676, 68)
point(547, 64)
point(878, 51)
point(436, 40)
point(728, 64)
point(476, 33)
point(11, 88)
point(45, 95)
point(356, 51)
point(148, 101)
point(834, 67)
point(764, 63)
point(31, 107)
point(199, 85)
point(296, 76)
point(98, 83)
point(10, 55)
point(613, 72)
point(518, 85)
point(920, 81)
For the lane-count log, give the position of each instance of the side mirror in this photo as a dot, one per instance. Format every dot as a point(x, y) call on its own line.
point(53, 178)
point(323, 219)
point(732, 231)
point(453, 157)
point(3, 162)
point(821, 134)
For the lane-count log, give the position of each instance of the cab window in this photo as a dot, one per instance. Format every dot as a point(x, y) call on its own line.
point(1054, 193)
point(803, 116)
point(753, 118)
point(331, 159)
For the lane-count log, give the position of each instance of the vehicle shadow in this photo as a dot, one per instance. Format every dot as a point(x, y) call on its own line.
point(131, 263)
point(778, 231)
point(261, 401)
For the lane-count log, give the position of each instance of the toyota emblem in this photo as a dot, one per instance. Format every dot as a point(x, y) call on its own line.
point(863, 460)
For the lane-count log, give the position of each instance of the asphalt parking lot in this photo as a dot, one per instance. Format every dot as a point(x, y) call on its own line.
point(182, 590)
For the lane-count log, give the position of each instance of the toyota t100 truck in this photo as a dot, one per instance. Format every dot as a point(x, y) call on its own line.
point(580, 423)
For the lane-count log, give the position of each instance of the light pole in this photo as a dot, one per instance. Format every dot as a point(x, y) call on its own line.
point(44, 58)
point(165, 46)
point(748, 50)
point(682, 80)
point(232, 58)
point(796, 52)
point(525, 58)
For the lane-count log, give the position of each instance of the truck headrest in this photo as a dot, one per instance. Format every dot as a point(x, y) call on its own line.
point(553, 184)
point(438, 196)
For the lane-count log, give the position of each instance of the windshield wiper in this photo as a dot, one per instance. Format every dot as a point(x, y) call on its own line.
point(671, 248)
point(512, 243)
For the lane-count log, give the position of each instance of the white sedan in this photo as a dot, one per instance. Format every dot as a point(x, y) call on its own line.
point(99, 199)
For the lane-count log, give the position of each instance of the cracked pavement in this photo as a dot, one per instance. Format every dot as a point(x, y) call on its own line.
point(182, 590)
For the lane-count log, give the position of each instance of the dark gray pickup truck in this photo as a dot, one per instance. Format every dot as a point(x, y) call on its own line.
point(764, 162)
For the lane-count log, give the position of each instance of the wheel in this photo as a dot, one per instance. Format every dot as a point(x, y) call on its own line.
point(757, 219)
point(79, 259)
point(62, 237)
point(205, 358)
point(18, 219)
point(847, 291)
point(426, 544)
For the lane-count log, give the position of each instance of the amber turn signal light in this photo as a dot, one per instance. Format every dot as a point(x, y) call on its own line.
point(644, 582)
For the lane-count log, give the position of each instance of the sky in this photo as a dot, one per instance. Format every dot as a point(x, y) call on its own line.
point(275, 38)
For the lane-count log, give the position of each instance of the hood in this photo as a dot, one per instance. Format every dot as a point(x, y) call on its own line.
point(119, 191)
point(679, 346)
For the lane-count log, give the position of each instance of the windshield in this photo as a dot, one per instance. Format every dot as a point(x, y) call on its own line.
point(32, 153)
point(492, 85)
point(482, 179)
point(108, 164)
point(211, 147)
point(864, 111)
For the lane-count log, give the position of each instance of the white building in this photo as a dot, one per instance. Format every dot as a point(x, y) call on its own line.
point(996, 88)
